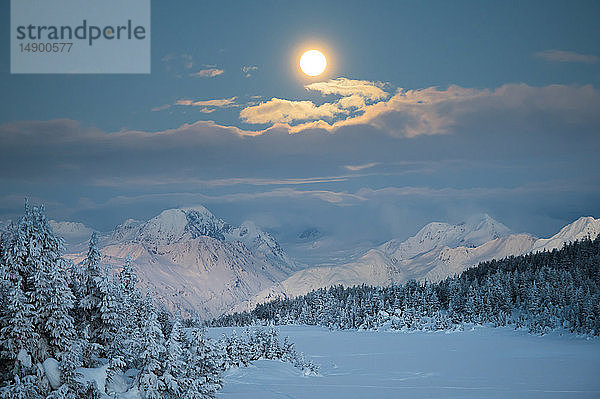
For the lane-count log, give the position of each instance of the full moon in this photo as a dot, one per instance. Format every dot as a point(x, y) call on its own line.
point(313, 62)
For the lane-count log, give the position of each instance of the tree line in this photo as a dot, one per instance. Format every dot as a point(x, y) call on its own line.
point(548, 290)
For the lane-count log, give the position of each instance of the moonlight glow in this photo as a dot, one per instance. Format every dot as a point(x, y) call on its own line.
point(313, 63)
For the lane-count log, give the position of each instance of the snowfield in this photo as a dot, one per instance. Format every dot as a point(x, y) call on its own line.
point(483, 362)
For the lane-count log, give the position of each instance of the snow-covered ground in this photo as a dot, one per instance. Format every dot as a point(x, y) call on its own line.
point(483, 362)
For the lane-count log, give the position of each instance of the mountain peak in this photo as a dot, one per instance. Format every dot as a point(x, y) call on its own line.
point(583, 227)
point(483, 228)
point(476, 231)
point(197, 208)
point(167, 226)
point(584, 223)
point(200, 222)
point(182, 224)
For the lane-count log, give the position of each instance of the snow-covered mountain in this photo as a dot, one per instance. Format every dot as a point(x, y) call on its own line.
point(71, 231)
point(194, 261)
point(581, 228)
point(437, 251)
point(475, 232)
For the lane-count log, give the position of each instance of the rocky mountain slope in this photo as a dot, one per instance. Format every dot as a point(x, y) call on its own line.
point(195, 262)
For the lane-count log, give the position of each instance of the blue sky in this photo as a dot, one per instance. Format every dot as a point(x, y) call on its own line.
point(428, 111)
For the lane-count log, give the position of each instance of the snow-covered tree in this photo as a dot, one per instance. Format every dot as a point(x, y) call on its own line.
point(34, 274)
point(89, 293)
point(151, 339)
point(236, 350)
point(203, 373)
point(128, 283)
point(59, 323)
point(133, 305)
point(112, 314)
point(174, 366)
point(22, 388)
point(17, 333)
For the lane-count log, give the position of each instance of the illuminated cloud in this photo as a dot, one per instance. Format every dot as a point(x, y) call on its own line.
point(411, 113)
point(208, 73)
point(209, 106)
point(277, 110)
point(365, 103)
point(431, 111)
point(348, 87)
point(354, 101)
point(566, 56)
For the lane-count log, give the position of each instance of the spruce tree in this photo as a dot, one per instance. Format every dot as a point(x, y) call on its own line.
point(174, 366)
point(89, 292)
point(149, 379)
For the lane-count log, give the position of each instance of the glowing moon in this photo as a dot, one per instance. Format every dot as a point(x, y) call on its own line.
point(313, 62)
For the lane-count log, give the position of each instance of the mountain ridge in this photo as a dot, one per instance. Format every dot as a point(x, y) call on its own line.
point(195, 262)
point(432, 254)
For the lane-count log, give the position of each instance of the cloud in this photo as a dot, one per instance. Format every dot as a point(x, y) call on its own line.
point(249, 69)
point(170, 180)
point(355, 168)
point(511, 137)
point(219, 103)
point(178, 62)
point(328, 196)
point(185, 58)
point(208, 73)
point(277, 110)
point(209, 106)
point(410, 113)
point(566, 56)
point(350, 87)
point(354, 101)
point(414, 112)
point(434, 111)
point(512, 120)
point(354, 94)
point(161, 107)
point(366, 194)
point(549, 187)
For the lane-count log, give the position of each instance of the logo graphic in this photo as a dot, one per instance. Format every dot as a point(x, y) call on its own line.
point(80, 36)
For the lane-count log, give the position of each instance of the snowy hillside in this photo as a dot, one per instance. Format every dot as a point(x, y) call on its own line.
point(194, 261)
point(437, 251)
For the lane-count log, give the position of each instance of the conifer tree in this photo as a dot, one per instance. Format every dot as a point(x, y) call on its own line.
point(203, 374)
point(153, 343)
point(89, 292)
point(174, 366)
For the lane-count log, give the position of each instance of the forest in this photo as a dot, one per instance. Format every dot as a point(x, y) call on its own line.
point(61, 324)
point(541, 292)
